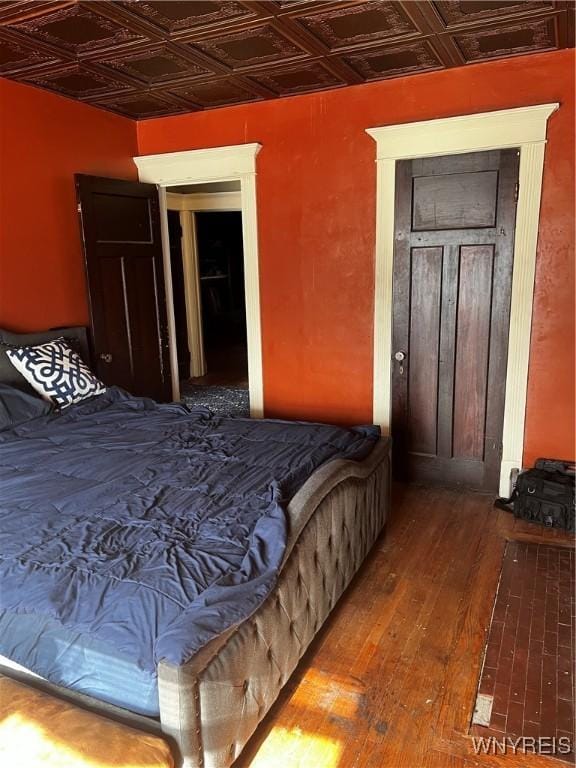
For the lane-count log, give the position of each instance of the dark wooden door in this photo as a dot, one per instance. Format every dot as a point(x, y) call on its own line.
point(124, 266)
point(455, 219)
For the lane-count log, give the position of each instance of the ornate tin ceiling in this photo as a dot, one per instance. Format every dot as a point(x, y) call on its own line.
point(143, 59)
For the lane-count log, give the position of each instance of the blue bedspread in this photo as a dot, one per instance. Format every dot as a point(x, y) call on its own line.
point(147, 527)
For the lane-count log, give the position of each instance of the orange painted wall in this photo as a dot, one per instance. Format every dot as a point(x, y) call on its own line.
point(44, 140)
point(316, 208)
point(316, 197)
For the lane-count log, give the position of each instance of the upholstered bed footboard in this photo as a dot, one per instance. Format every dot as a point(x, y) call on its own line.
point(211, 706)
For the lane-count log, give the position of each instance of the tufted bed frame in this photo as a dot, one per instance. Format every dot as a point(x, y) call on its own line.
point(210, 706)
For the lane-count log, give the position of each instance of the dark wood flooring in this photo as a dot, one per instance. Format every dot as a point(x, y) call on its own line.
point(391, 680)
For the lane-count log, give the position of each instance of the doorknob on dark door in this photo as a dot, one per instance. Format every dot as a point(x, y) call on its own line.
point(400, 357)
point(106, 357)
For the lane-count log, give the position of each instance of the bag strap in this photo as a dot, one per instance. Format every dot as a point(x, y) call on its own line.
point(507, 504)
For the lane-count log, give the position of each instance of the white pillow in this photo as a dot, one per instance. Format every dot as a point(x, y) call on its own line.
point(56, 372)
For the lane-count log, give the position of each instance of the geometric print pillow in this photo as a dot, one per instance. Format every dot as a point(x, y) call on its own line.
point(56, 372)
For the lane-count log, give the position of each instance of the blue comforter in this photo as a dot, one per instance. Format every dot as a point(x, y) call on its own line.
point(150, 527)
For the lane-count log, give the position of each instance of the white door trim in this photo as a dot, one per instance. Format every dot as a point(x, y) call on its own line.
point(192, 294)
point(524, 128)
point(210, 201)
point(234, 163)
point(188, 244)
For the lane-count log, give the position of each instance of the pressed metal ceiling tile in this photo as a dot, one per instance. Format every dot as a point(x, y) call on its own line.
point(76, 29)
point(364, 23)
point(15, 56)
point(145, 58)
point(515, 39)
point(156, 65)
point(299, 78)
point(393, 62)
point(455, 12)
point(141, 106)
point(216, 94)
point(251, 47)
point(76, 80)
point(172, 16)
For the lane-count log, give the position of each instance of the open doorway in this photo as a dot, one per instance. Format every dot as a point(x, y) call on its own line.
point(207, 266)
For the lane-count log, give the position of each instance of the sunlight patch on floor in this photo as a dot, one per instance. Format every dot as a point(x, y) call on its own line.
point(24, 744)
point(341, 696)
point(295, 748)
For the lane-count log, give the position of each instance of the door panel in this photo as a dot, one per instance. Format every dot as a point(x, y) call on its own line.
point(454, 222)
point(143, 313)
point(455, 201)
point(446, 367)
point(108, 276)
point(125, 272)
point(122, 218)
point(424, 330)
point(472, 347)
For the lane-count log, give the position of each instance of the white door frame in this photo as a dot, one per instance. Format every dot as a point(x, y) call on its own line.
point(234, 163)
point(187, 205)
point(523, 128)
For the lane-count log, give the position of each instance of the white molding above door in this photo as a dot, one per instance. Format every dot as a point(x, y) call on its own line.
point(212, 201)
point(523, 128)
point(197, 165)
point(234, 163)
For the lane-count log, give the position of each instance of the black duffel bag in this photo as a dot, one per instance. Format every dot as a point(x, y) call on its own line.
point(544, 495)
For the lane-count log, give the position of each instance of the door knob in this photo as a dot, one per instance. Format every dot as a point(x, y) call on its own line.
point(106, 357)
point(399, 356)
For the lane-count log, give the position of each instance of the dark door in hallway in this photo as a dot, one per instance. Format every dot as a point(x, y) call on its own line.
point(124, 266)
point(454, 240)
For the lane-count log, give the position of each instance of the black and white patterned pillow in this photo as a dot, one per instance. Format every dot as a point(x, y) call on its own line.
point(56, 372)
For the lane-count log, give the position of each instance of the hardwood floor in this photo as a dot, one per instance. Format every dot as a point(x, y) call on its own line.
point(391, 680)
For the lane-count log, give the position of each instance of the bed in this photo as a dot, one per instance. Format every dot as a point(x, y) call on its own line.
point(214, 675)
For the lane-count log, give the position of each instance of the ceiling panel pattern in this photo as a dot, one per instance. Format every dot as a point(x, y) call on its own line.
point(76, 29)
point(298, 78)
point(15, 55)
point(217, 93)
point(146, 58)
point(76, 80)
point(406, 59)
point(518, 38)
point(156, 64)
point(174, 16)
point(251, 47)
point(368, 22)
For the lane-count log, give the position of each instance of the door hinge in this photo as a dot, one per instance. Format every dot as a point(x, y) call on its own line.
point(79, 208)
point(516, 189)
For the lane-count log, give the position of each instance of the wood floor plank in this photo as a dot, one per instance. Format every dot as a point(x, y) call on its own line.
point(391, 667)
point(424, 684)
point(391, 680)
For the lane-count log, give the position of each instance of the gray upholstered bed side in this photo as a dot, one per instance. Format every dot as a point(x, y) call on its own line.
point(211, 706)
